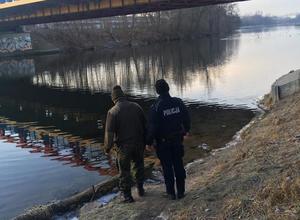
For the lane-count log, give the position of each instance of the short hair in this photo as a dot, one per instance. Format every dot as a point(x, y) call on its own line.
point(162, 86)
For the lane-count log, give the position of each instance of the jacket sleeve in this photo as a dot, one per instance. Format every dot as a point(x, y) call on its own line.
point(152, 126)
point(110, 129)
point(144, 121)
point(142, 118)
point(185, 118)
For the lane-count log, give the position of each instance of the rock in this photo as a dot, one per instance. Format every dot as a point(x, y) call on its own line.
point(204, 147)
point(162, 216)
point(207, 210)
point(157, 176)
point(152, 181)
point(278, 210)
point(104, 200)
point(116, 189)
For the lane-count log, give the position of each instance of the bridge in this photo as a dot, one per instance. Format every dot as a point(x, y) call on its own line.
point(15, 13)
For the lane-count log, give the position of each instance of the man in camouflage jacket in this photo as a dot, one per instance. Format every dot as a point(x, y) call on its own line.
point(126, 128)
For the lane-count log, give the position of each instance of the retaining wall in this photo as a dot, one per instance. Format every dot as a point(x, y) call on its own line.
point(286, 85)
point(16, 42)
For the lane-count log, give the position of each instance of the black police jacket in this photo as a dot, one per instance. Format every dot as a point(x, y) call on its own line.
point(168, 119)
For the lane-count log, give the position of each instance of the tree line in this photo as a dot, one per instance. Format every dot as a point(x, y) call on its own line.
point(260, 19)
point(142, 29)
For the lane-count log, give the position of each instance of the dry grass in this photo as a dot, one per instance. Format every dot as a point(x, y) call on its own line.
point(242, 208)
point(267, 102)
point(259, 178)
point(278, 199)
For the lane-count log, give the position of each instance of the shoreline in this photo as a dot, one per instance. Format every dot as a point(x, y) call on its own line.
point(219, 183)
point(68, 204)
point(31, 53)
point(255, 178)
point(105, 49)
point(77, 201)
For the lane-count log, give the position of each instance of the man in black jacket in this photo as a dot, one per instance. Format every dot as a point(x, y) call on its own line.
point(169, 122)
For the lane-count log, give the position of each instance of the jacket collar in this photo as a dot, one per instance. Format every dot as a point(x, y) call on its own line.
point(164, 96)
point(121, 99)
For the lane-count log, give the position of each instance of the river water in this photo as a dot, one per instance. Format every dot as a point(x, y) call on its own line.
point(53, 108)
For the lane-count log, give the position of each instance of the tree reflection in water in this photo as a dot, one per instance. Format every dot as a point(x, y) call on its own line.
point(136, 70)
point(71, 93)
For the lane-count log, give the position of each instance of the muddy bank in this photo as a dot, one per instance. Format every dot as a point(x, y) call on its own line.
point(257, 178)
point(59, 207)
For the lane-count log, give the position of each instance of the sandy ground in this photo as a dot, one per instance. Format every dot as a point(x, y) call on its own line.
point(259, 178)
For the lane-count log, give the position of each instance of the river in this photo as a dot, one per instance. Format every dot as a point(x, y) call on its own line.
point(53, 108)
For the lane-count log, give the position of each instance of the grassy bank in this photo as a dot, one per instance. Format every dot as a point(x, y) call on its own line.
point(257, 178)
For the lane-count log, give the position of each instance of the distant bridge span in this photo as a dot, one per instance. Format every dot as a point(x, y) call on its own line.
point(26, 12)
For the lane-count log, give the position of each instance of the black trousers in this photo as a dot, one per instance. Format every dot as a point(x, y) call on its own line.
point(170, 156)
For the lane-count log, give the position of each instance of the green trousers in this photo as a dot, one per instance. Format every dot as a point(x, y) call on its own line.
point(130, 161)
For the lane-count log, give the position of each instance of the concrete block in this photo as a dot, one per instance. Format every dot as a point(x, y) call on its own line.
point(286, 85)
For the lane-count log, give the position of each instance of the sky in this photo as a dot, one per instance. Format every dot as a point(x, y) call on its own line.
point(270, 7)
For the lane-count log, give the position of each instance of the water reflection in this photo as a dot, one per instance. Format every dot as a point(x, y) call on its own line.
point(55, 107)
point(57, 145)
point(17, 68)
point(70, 95)
point(136, 70)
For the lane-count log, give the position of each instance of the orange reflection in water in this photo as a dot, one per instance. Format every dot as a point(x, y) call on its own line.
point(70, 153)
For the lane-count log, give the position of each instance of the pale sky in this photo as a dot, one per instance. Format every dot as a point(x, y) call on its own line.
point(270, 7)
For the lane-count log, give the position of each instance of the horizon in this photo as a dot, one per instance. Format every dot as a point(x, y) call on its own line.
point(287, 8)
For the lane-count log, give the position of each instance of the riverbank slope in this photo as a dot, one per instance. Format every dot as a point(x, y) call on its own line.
point(257, 178)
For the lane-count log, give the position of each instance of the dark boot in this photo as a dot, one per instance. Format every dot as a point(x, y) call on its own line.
point(128, 197)
point(172, 196)
point(180, 195)
point(180, 184)
point(140, 190)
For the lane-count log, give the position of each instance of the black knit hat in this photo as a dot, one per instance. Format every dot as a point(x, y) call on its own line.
point(162, 86)
point(117, 93)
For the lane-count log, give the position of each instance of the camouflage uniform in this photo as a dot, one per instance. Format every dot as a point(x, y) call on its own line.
point(125, 127)
point(130, 161)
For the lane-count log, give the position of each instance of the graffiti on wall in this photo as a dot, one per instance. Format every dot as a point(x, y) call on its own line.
point(15, 42)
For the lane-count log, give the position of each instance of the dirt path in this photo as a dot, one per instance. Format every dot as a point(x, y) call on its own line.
point(257, 178)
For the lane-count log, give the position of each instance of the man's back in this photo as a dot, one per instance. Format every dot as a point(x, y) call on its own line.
point(126, 119)
point(169, 121)
point(168, 118)
point(125, 126)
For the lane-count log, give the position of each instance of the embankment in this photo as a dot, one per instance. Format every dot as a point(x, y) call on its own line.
point(258, 178)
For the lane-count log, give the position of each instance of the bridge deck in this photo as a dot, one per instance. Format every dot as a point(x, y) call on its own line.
point(18, 3)
point(26, 12)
